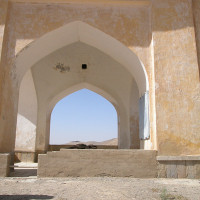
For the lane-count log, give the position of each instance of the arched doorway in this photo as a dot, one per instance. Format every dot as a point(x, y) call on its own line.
point(121, 76)
point(84, 117)
point(123, 127)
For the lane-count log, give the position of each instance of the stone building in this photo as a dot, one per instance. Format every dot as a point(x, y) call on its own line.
point(141, 55)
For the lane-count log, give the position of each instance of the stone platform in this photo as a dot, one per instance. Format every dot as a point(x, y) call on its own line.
point(98, 162)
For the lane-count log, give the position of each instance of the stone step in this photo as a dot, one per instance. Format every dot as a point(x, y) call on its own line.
point(98, 162)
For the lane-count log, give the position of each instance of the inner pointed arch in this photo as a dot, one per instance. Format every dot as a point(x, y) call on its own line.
point(93, 118)
point(77, 87)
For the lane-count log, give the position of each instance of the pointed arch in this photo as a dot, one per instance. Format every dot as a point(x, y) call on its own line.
point(83, 115)
point(77, 87)
point(123, 131)
point(80, 31)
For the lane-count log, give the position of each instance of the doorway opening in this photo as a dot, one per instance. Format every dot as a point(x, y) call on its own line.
point(84, 117)
point(115, 73)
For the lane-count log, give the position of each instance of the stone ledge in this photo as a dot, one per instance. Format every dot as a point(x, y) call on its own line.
point(98, 162)
point(179, 167)
point(181, 158)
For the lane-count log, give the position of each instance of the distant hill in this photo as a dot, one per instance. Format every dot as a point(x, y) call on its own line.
point(113, 141)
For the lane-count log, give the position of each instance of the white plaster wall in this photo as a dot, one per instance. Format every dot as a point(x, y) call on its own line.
point(103, 72)
point(27, 115)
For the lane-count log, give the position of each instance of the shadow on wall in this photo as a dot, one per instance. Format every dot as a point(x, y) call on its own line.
point(27, 197)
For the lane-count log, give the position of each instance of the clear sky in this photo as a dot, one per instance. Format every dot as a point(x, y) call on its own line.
point(83, 116)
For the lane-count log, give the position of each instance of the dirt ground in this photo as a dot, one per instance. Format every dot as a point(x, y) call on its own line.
point(25, 185)
point(98, 188)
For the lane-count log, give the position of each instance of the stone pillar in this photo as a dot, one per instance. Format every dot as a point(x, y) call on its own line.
point(26, 119)
point(124, 131)
point(7, 103)
point(134, 118)
point(196, 15)
point(3, 14)
point(42, 137)
point(5, 162)
point(8, 86)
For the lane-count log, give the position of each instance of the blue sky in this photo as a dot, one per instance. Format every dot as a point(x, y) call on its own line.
point(83, 116)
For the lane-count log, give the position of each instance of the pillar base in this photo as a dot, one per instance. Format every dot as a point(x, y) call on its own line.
point(23, 156)
point(5, 159)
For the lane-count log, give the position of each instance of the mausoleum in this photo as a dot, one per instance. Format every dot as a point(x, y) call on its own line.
point(143, 56)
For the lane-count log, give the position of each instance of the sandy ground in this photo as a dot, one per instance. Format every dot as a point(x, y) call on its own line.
point(25, 185)
point(103, 188)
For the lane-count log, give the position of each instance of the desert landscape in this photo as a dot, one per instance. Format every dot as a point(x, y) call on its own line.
point(113, 141)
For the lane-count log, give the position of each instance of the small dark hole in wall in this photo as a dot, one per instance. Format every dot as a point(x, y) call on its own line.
point(84, 66)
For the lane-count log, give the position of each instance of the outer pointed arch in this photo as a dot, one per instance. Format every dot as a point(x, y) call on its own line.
point(80, 31)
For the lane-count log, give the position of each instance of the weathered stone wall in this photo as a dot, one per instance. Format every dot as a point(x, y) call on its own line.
point(196, 15)
point(176, 78)
point(178, 167)
point(99, 162)
point(131, 163)
point(3, 14)
point(172, 53)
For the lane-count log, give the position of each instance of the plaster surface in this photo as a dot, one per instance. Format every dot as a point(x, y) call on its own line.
point(196, 15)
point(3, 13)
point(163, 34)
point(27, 115)
point(176, 78)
